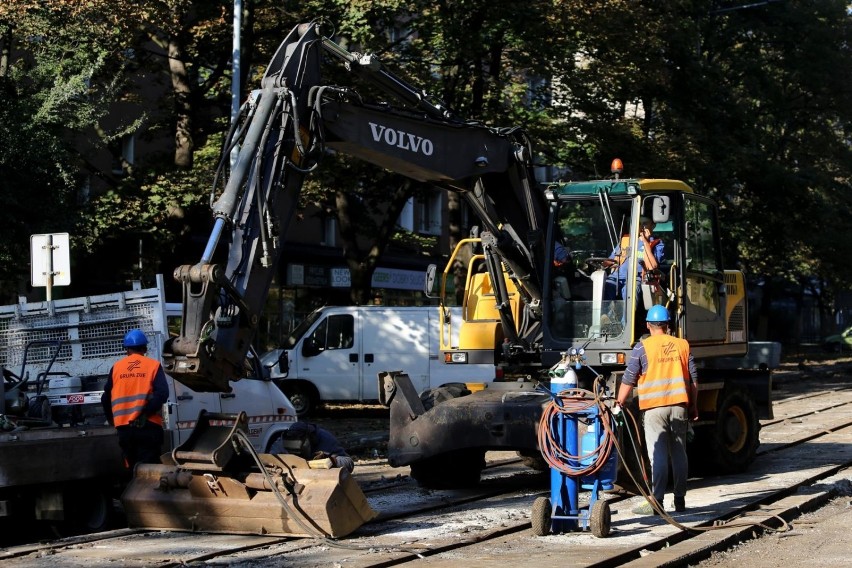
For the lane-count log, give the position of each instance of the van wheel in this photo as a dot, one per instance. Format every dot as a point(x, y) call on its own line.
point(302, 397)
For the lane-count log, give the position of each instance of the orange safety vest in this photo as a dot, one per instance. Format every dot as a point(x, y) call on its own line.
point(665, 379)
point(132, 385)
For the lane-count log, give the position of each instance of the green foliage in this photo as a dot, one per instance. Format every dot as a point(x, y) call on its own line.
point(52, 100)
point(161, 207)
point(749, 105)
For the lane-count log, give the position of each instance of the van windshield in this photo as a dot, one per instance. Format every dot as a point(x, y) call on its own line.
point(301, 329)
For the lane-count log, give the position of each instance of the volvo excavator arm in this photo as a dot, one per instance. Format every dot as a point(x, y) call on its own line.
point(285, 129)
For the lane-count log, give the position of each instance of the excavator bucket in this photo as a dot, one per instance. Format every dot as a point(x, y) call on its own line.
point(215, 484)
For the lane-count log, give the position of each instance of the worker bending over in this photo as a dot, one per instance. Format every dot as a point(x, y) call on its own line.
point(311, 442)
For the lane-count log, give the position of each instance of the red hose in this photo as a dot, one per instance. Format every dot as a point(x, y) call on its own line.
point(573, 402)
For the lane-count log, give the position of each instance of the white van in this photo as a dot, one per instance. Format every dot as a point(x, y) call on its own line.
point(336, 353)
point(267, 409)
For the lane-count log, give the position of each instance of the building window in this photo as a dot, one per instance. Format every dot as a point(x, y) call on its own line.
point(429, 209)
point(123, 155)
point(329, 232)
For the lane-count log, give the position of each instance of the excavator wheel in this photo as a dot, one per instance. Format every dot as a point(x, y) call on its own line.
point(729, 445)
point(443, 393)
point(534, 460)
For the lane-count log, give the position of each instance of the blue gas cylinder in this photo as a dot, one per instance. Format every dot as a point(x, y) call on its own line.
point(588, 444)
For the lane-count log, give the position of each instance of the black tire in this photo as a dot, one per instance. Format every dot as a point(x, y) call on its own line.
point(730, 444)
point(88, 509)
point(600, 518)
point(304, 398)
point(540, 516)
point(452, 470)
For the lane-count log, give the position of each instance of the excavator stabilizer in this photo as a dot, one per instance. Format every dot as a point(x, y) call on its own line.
point(282, 495)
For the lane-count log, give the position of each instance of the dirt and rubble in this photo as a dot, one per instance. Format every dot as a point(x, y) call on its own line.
point(818, 540)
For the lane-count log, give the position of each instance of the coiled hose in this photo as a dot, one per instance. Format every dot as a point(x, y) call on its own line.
point(575, 402)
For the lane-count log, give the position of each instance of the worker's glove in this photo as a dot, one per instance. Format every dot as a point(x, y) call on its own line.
point(321, 456)
point(139, 421)
point(618, 414)
point(343, 462)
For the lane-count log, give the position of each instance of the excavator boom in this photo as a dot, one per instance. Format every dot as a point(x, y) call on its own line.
point(286, 128)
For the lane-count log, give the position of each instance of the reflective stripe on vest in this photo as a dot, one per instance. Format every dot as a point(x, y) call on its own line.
point(664, 381)
point(132, 385)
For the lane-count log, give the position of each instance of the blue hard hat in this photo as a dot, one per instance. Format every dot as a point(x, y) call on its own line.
point(657, 313)
point(135, 338)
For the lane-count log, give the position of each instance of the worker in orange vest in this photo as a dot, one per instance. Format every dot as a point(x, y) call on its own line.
point(133, 399)
point(663, 371)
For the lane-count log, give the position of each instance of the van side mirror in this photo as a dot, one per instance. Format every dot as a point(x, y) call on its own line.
point(284, 364)
point(429, 283)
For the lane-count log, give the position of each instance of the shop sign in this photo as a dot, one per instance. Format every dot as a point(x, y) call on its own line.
point(391, 278)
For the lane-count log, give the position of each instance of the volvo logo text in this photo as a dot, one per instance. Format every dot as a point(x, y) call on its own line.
point(403, 140)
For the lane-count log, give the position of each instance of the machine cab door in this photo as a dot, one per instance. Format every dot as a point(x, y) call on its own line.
point(700, 310)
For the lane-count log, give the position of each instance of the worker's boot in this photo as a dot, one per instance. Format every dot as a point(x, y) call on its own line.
point(680, 504)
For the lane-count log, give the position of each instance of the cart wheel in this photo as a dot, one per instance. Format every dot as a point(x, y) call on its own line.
point(600, 518)
point(541, 516)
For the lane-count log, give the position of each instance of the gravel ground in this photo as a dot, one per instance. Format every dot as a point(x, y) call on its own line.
point(817, 540)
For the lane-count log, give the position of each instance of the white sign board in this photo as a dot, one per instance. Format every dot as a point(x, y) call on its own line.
point(51, 256)
point(391, 278)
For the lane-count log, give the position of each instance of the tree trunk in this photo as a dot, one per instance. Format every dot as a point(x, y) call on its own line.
point(5, 52)
point(184, 143)
point(362, 261)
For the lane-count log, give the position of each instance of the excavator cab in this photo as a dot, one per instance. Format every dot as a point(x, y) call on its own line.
point(614, 276)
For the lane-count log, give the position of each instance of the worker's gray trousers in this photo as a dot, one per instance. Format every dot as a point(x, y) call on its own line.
point(665, 435)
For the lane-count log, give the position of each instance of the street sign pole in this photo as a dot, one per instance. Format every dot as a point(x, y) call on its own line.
point(51, 261)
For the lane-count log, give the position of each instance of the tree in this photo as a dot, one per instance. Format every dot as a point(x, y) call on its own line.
point(55, 81)
point(741, 102)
